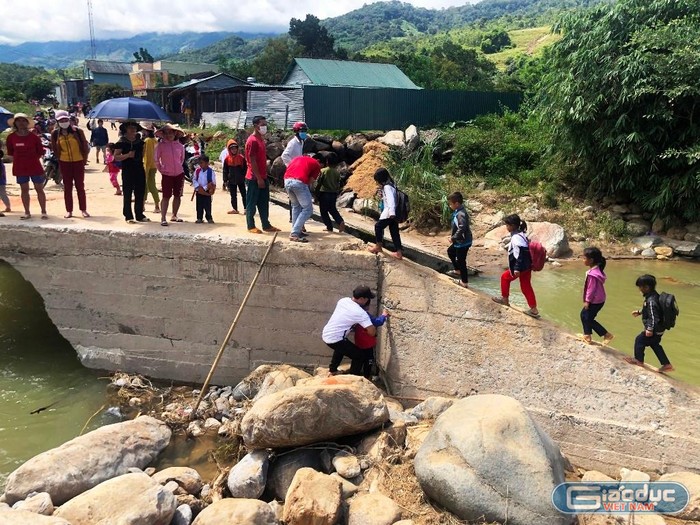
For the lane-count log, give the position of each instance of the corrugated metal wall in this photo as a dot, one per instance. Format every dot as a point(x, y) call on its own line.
point(283, 107)
point(386, 108)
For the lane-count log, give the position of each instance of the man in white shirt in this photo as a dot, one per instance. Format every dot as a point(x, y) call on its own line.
point(348, 312)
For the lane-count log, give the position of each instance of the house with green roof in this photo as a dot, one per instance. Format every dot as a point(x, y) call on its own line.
point(345, 73)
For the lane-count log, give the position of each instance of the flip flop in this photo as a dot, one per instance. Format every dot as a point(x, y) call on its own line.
point(530, 313)
point(164, 223)
point(298, 239)
point(176, 219)
point(24, 217)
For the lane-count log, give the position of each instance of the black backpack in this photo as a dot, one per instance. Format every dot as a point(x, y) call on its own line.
point(669, 310)
point(403, 206)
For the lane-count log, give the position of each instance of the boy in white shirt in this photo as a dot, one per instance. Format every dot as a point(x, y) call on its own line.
point(204, 182)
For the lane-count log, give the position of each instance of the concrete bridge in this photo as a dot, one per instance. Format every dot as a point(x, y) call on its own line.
point(159, 302)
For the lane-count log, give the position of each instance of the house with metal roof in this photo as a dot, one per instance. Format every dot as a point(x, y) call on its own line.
point(345, 73)
point(107, 72)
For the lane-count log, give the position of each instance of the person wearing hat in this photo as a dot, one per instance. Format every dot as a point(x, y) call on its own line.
point(149, 163)
point(349, 311)
point(257, 185)
point(70, 146)
point(129, 151)
point(26, 150)
point(234, 169)
point(295, 146)
point(169, 156)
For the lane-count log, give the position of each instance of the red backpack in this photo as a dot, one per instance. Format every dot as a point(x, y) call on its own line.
point(538, 255)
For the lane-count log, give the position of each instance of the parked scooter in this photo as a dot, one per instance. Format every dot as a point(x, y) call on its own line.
point(49, 161)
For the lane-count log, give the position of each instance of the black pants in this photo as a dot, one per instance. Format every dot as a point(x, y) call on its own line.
point(588, 320)
point(203, 203)
point(232, 186)
point(642, 341)
point(458, 256)
point(359, 358)
point(133, 184)
point(326, 201)
point(393, 230)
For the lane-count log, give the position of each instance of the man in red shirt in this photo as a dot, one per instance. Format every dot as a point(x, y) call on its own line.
point(257, 185)
point(300, 174)
point(26, 150)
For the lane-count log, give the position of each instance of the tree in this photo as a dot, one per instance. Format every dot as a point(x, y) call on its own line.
point(100, 92)
point(272, 63)
point(142, 55)
point(312, 37)
point(622, 96)
point(494, 41)
point(38, 87)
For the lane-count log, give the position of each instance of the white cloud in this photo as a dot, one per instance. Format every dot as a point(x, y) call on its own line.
point(44, 20)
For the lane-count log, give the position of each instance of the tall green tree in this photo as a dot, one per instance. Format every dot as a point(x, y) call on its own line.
point(272, 63)
point(314, 40)
point(142, 55)
point(622, 95)
point(38, 87)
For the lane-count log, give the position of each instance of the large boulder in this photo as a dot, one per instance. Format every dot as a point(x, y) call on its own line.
point(237, 511)
point(373, 509)
point(551, 236)
point(277, 170)
point(313, 499)
point(87, 461)
point(686, 249)
point(485, 458)
point(25, 517)
point(274, 150)
point(690, 481)
point(39, 503)
point(354, 144)
point(412, 137)
point(320, 409)
point(284, 377)
point(393, 138)
point(129, 499)
point(247, 478)
point(285, 466)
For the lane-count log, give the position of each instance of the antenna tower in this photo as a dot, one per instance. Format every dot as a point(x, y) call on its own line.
point(93, 47)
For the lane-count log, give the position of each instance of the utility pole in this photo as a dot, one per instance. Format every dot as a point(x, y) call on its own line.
point(93, 47)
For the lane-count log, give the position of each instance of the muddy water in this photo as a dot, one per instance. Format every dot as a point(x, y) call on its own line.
point(559, 297)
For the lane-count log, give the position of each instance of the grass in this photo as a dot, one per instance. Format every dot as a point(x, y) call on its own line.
point(528, 41)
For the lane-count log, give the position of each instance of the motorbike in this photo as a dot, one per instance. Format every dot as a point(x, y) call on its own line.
point(49, 161)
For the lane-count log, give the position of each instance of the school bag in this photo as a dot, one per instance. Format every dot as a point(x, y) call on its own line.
point(538, 255)
point(669, 310)
point(403, 206)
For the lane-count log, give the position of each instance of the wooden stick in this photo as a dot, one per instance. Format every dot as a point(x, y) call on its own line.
point(233, 326)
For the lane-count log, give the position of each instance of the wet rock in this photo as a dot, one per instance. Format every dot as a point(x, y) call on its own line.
point(691, 481)
point(186, 477)
point(373, 509)
point(195, 428)
point(313, 499)
point(393, 138)
point(485, 455)
point(148, 502)
point(284, 377)
point(321, 409)
point(39, 503)
point(121, 446)
point(282, 470)
point(237, 510)
point(183, 515)
point(647, 241)
point(432, 407)
point(686, 249)
point(347, 465)
point(649, 252)
point(247, 478)
point(23, 517)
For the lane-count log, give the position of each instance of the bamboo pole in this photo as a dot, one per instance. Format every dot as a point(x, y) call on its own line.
point(232, 327)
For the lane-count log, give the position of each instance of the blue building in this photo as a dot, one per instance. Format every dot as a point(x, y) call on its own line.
point(106, 72)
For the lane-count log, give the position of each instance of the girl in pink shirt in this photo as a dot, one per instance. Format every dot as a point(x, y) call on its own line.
point(112, 168)
point(594, 295)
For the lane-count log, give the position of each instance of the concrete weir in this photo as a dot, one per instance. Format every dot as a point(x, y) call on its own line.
point(160, 305)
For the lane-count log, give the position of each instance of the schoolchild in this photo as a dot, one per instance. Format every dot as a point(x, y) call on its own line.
point(204, 182)
point(113, 168)
point(234, 169)
point(388, 215)
point(365, 341)
point(519, 265)
point(594, 295)
point(327, 189)
point(461, 238)
point(653, 325)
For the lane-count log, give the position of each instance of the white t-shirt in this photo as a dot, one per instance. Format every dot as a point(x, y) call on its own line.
point(347, 313)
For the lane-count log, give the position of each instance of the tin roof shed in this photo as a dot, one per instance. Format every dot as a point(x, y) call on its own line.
point(346, 73)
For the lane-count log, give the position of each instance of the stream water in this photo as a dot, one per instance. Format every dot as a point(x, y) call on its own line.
point(38, 368)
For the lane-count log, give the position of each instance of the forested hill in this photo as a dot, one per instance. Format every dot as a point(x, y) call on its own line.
point(382, 21)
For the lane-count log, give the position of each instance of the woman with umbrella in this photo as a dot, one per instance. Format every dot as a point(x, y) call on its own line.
point(70, 146)
point(129, 151)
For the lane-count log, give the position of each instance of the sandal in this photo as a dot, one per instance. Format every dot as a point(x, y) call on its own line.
point(164, 223)
point(298, 239)
point(25, 217)
point(175, 219)
point(532, 314)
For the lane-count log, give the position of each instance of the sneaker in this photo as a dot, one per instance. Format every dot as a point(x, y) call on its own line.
point(254, 230)
point(210, 221)
point(271, 229)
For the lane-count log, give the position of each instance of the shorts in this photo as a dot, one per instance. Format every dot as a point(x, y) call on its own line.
point(172, 185)
point(100, 148)
point(36, 179)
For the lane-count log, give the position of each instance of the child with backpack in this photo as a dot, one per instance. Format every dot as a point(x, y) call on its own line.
point(388, 216)
point(204, 182)
point(594, 295)
point(519, 265)
point(367, 342)
point(654, 324)
point(326, 192)
point(113, 167)
point(461, 238)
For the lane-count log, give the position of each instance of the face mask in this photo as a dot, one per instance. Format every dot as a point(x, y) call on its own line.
point(64, 124)
point(303, 135)
point(262, 130)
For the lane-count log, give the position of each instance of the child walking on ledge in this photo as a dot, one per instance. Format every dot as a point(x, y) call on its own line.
point(461, 238)
point(519, 265)
point(594, 295)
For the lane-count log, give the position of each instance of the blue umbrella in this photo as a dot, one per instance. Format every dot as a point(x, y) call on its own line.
point(4, 116)
point(129, 108)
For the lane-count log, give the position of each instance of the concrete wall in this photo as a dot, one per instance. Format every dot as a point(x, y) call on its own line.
point(161, 305)
point(604, 413)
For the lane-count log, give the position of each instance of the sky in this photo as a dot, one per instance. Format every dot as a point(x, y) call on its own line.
point(44, 20)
